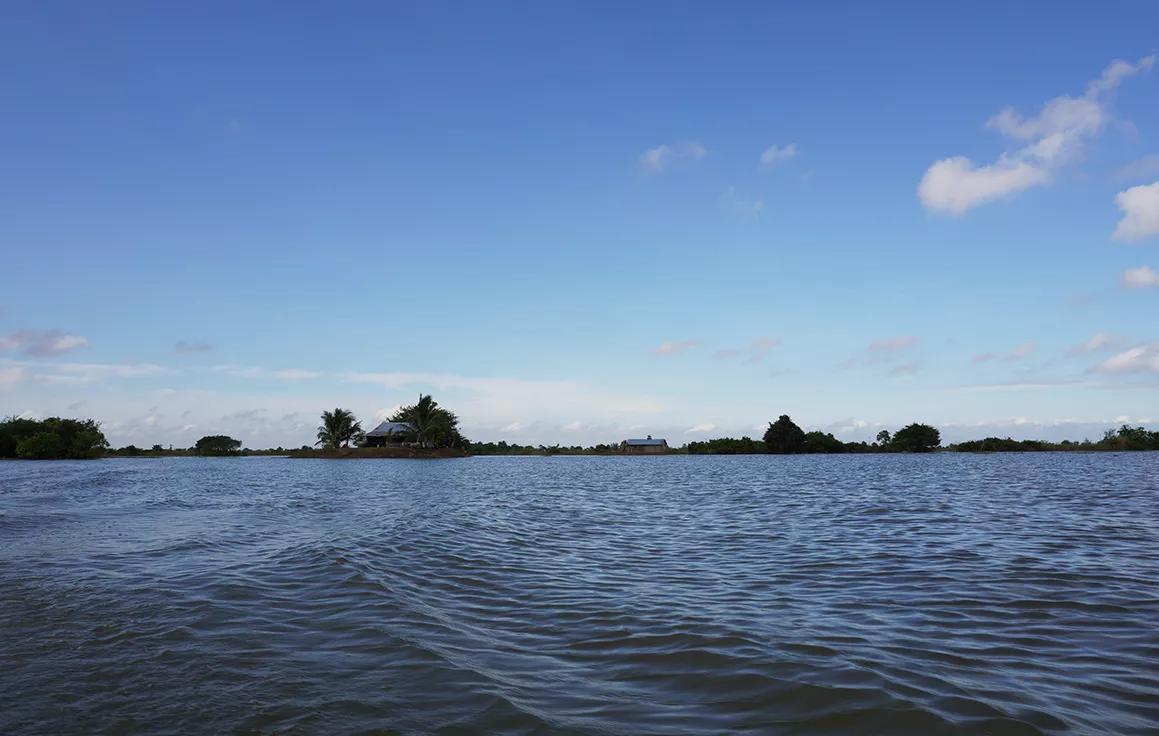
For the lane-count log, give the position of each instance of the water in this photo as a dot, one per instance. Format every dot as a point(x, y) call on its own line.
point(663, 595)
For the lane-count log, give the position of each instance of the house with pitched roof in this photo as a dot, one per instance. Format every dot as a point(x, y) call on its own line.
point(644, 447)
point(388, 434)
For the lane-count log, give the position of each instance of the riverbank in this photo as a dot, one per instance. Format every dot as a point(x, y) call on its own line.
point(379, 453)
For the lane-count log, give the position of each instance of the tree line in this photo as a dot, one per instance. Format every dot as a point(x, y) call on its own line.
point(430, 426)
point(1124, 439)
point(51, 439)
point(784, 437)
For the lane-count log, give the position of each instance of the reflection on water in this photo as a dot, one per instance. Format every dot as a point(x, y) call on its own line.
point(670, 595)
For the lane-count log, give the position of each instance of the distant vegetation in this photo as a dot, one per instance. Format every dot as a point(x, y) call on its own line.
point(338, 429)
point(51, 439)
point(1124, 439)
point(505, 448)
point(217, 445)
point(916, 438)
point(784, 437)
point(726, 446)
point(436, 434)
point(434, 426)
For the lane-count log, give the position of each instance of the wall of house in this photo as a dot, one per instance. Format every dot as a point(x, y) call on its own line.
point(644, 449)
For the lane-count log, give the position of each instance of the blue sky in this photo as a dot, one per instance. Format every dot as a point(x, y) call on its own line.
point(577, 222)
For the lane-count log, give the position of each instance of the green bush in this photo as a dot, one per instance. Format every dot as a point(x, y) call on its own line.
point(75, 439)
point(40, 446)
point(917, 438)
point(217, 444)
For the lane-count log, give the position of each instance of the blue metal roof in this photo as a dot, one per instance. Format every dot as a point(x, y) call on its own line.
point(649, 442)
point(388, 428)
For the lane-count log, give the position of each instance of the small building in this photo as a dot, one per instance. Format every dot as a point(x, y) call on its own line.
point(388, 434)
point(644, 447)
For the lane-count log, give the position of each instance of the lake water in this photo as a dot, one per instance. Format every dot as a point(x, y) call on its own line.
point(1004, 594)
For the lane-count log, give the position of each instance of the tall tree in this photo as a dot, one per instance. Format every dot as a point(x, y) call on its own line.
point(783, 437)
point(338, 429)
point(214, 444)
point(431, 425)
point(822, 442)
point(917, 438)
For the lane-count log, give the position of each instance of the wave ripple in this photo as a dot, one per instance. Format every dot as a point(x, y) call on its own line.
point(678, 595)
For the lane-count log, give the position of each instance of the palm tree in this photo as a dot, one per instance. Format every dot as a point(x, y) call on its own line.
point(430, 423)
point(339, 427)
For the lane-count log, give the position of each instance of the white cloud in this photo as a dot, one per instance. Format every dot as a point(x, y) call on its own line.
point(39, 344)
point(1051, 139)
point(954, 185)
point(511, 399)
point(182, 347)
point(1143, 277)
point(1022, 351)
point(1140, 206)
point(85, 372)
point(573, 426)
point(1098, 341)
point(905, 369)
point(774, 154)
point(240, 371)
point(253, 371)
point(885, 345)
point(761, 347)
point(673, 348)
point(96, 371)
point(745, 205)
point(383, 415)
point(13, 373)
point(655, 160)
point(700, 428)
point(1144, 168)
point(12, 376)
point(294, 374)
point(1140, 359)
point(1026, 386)
point(885, 350)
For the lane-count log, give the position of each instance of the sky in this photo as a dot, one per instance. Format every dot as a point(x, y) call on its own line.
point(580, 222)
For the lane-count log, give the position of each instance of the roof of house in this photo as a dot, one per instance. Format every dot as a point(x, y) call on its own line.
point(648, 441)
point(388, 428)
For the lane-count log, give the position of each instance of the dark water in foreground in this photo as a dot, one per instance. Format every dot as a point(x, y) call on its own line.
point(674, 595)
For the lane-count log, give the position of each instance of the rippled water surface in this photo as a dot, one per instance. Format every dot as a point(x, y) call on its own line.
point(668, 595)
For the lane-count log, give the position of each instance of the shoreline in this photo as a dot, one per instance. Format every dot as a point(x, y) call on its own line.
point(378, 453)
